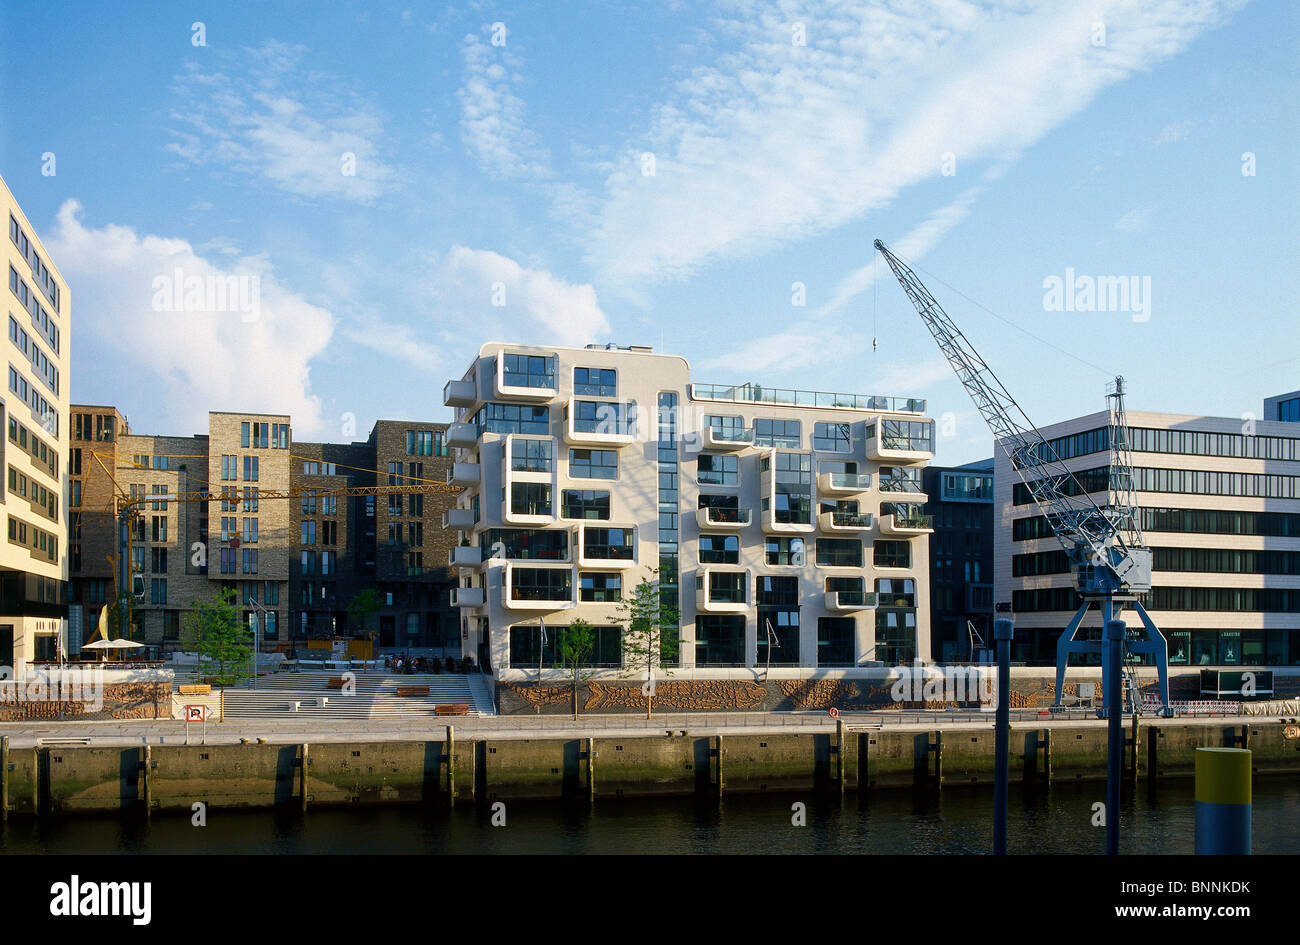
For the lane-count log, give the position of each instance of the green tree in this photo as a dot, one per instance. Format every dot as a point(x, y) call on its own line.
point(649, 619)
point(215, 628)
point(574, 649)
point(362, 606)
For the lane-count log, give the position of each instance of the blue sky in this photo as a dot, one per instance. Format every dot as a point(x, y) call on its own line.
point(995, 145)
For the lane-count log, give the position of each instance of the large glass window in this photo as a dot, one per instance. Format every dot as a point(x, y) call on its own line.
point(778, 637)
point(523, 544)
point(528, 370)
point(553, 584)
point(784, 551)
point(835, 641)
point(719, 549)
point(609, 544)
point(600, 588)
point(530, 498)
point(718, 469)
point(896, 592)
point(892, 554)
point(592, 416)
point(784, 433)
point(514, 418)
point(593, 464)
point(524, 640)
point(839, 552)
point(720, 640)
point(595, 382)
point(584, 503)
point(531, 455)
point(912, 435)
point(895, 636)
point(832, 437)
point(793, 488)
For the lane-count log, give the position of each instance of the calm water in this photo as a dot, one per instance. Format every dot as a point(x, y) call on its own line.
point(1043, 820)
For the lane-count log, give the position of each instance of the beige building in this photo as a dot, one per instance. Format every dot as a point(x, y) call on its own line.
point(33, 562)
point(787, 523)
point(1220, 508)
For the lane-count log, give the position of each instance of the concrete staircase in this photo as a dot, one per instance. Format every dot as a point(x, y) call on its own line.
point(374, 697)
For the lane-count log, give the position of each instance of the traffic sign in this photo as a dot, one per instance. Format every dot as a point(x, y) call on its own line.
point(196, 713)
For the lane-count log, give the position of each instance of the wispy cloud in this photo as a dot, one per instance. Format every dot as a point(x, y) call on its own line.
point(196, 359)
point(265, 116)
point(493, 125)
point(776, 141)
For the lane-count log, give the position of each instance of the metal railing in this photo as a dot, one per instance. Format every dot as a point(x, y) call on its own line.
point(852, 481)
point(851, 519)
point(755, 393)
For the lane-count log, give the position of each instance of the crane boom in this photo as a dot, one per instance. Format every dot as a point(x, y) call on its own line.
point(1110, 563)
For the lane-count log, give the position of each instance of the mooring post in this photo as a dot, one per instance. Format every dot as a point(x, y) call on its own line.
point(1003, 630)
point(1116, 633)
point(839, 753)
point(148, 780)
point(1223, 801)
point(451, 765)
point(591, 770)
point(302, 778)
point(4, 778)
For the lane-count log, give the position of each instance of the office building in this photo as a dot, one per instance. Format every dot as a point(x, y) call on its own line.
point(34, 560)
point(959, 499)
point(1220, 509)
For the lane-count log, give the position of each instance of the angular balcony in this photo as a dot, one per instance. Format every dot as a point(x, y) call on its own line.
point(900, 442)
point(468, 597)
point(602, 423)
point(843, 483)
point(539, 597)
point(722, 520)
point(464, 556)
point(458, 518)
point(535, 383)
point(617, 551)
point(464, 474)
point(459, 393)
point(906, 525)
point(844, 602)
point(463, 435)
point(902, 485)
point(846, 521)
point(727, 440)
point(722, 591)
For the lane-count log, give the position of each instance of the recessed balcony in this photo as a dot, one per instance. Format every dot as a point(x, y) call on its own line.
point(523, 592)
point(846, 521)
point(906, 525)
point(844, 602)
point(843, 483)
point(462, 435)
point(726, 520)
point(459, 393)
point(464, 474)
point(715, 438)
point(722, 592)
point(464, 556)
point(599, 423)
point(458, 518)
point(467, 597)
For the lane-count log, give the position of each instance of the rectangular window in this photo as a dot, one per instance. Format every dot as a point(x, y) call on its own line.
point(891, 554)
point(531, 455)
point(832, 438)
point(585, 503)
point(528, 370)
point(590, 416)
point(250, 560)
point(720, 640)
point(718, 469)
point(250, 469)
point(839, 553)
point(600, 588)
point(719, 549)
point(835, 641)
point(793, 488)
point(308, 532)
point(530, 498)
point(785, 551)
point(595, 382)
point(780, 433)
point(593, 464)
point(608, 544)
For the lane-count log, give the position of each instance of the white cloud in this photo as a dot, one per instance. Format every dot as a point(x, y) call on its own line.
point(267, 118)
point(776, 142)
point(175, 366)
point(493, 126)
point(465, 285)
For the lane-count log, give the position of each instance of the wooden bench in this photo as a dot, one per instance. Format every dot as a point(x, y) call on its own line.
point(337, 682)
point(200, 689)
point(453, 708)
point(412, 690)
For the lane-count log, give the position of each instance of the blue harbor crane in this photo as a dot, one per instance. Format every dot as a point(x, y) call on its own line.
point(1103, 543)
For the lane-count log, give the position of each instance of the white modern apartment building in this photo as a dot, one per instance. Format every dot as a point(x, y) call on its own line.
point(1220, 508)
point(786, 523)
point(33, 561)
